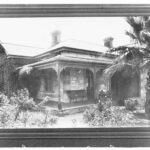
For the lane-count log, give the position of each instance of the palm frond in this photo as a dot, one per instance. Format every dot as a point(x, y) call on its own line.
point(131, 57)
point(145, 36)
point(145, 64)
point(136, 52)
point(131, 35)
point(121, 58)
point(130, 21)
point(146, 23)
point(119, 67)
point(137, 25)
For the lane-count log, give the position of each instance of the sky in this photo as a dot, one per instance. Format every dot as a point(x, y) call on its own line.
point(37, 32)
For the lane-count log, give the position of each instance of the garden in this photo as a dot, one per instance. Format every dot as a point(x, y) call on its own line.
point(19, 110)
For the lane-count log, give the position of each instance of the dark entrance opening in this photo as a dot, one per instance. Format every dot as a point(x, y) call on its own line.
point(90, 84)
point(124, 87)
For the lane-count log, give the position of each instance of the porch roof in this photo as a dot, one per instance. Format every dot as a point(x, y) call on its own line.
point(101, 60)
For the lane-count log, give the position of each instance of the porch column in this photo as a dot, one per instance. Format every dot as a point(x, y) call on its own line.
point(94, 76)
point(59, 87)
point(59, 97)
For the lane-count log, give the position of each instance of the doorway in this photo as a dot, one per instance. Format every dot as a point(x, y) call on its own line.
point(90, 84)
point(124, 87)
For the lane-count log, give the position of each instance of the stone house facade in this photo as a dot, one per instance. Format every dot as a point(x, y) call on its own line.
point(69, 72)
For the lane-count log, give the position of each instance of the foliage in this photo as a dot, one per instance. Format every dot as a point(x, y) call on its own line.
point(104, 94)
point(6, 111)
point(139, 29)
point(22, 101)
point(109, 116)
point(131, 103)
point(132, 58)
point(20, 109)
point(27, 75)
point(25, 118)
point(52, 120)
point(6, 116)
point(25, 70)
point(39, 120)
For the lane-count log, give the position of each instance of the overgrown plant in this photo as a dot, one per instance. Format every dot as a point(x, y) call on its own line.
point(23, 102)
point(21, 109)
point(132, 59)
point(108, 116)
point(131, 103)
point(6, 111)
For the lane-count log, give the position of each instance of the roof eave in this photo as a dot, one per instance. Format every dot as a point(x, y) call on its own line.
point(19, 56)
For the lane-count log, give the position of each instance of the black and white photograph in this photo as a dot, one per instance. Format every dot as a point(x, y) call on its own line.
point(83, 68)
point(75, 72)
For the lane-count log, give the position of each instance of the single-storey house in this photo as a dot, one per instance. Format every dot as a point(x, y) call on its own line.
point(68, 72)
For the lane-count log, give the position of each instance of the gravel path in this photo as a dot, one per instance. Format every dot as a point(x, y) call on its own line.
point(71, 121)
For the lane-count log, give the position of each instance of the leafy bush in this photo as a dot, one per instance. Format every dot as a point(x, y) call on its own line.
point(38, 119)
point(104, 95)
point(52, 120)
point(3, 99)
point(20, 110)
point(22, 101)
point(108, 116)
point(131, 104)
point(6, 111)
point(89, 114)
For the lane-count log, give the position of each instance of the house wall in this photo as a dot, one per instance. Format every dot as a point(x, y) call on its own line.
point(73, 85)
point(72, 81)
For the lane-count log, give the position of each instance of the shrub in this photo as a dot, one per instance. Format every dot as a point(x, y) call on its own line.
point(52, 120)
point(3, 99)
point(131, 104)
point(89, 114)
point(104, 95)
point(6, 111)
point(22, 101)
point(39, 120)
point(21, 104)
point(108, 116)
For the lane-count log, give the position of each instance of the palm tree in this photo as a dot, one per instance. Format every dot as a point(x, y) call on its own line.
point(131, 59)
